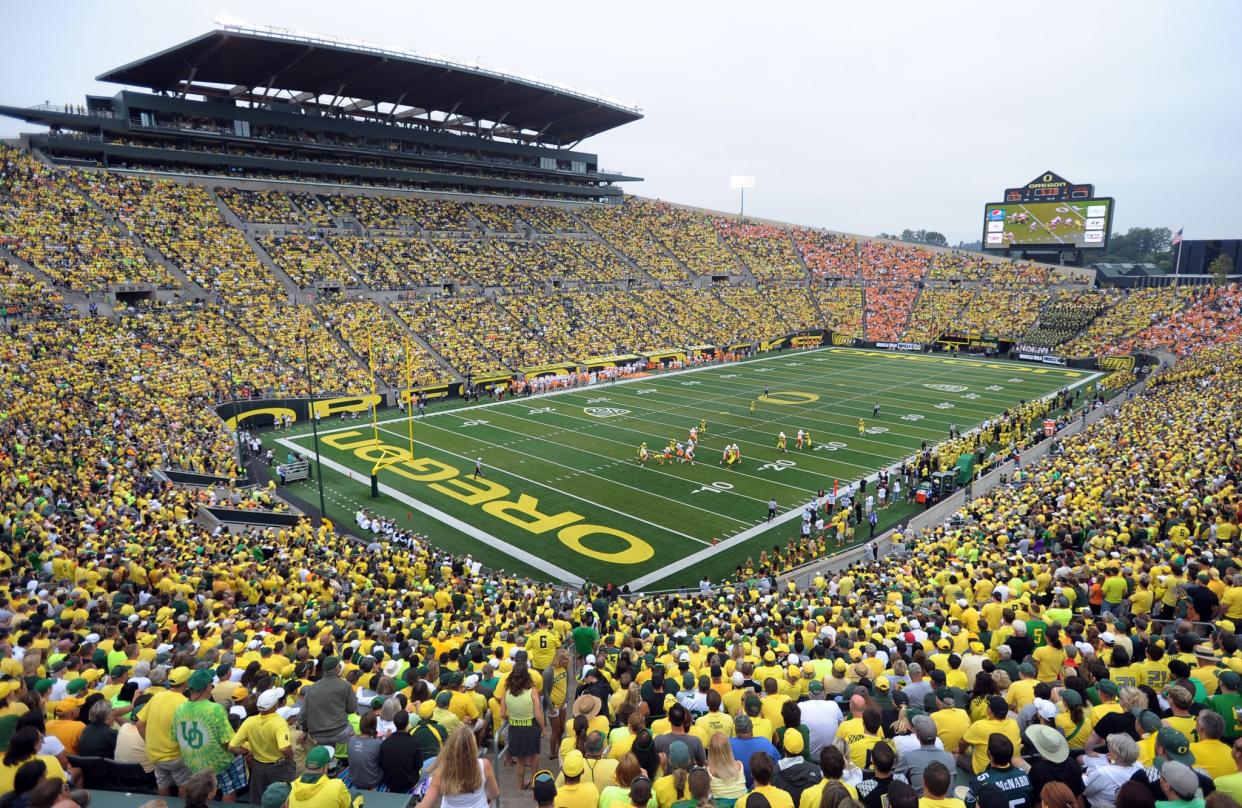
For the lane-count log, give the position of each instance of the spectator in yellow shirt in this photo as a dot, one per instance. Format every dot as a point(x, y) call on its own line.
point(1049, 658)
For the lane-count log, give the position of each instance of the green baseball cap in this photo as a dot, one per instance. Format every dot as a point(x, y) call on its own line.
point(1176, 747)
point(276, 795)
point(200, 680)
point(318, 757)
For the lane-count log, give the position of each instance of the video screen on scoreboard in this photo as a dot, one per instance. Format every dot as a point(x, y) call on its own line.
point(1072, 224)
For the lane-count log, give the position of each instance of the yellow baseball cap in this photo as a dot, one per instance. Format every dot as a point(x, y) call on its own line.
point(179, 675)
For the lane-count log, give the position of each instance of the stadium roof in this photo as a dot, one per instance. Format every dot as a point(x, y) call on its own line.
point(268, 65)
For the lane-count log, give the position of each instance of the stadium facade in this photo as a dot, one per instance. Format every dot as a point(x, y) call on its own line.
point(264, 102)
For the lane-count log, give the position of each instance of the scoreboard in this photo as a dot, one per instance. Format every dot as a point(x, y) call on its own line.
point(1049, 219)
point(1082, 224)
point(1049, 187)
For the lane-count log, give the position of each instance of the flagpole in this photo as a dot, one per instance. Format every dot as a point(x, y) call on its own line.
point(1177, 267)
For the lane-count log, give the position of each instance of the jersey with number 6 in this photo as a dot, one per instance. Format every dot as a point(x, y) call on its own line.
point(541, 647)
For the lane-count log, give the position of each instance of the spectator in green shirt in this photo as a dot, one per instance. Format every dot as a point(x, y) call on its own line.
point(1114, 588)
point(1227, 702)
point(201, 728)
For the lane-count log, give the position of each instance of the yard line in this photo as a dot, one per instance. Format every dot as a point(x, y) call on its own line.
point(743, 365)
point(647, 379)
point(483, 537)
point(733, 541)
point(576, 471)
point(598, 423)
point(923, 399)
point(866, 440)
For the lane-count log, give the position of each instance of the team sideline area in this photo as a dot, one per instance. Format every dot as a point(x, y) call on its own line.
point(601, 453)
point(371, 446)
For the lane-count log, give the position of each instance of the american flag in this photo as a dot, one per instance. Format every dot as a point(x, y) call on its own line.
point(1177, 237)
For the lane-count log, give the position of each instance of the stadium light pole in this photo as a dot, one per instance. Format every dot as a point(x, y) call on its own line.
point(741, 183)
point(228, 348)
point(310, 408)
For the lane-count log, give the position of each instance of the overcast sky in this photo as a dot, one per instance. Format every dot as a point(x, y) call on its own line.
point(864, 116)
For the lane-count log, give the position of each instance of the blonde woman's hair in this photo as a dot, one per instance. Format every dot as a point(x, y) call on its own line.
point(720, 756)
point(459, 763)
point(843, 746)
point(902, 725)
point(634, 695)
point(627, 769)
point(1132, 698)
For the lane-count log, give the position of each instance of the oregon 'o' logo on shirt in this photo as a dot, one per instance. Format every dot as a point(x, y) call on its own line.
point(604, 412)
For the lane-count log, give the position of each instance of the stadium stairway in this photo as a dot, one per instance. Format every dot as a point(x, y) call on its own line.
point(418, 339)
point(806, 271)
point(290, 286)
point(381, 385)
point(79, 300)
point(655, 237)
point(189, 287)
point(622, 256)
point(740, 265)
point(905, 325)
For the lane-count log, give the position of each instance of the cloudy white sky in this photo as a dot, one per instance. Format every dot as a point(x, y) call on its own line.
point(861, 116)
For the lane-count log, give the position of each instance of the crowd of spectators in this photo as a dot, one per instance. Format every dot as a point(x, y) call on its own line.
point(237, 365)
point(1069, 633)
point(496, 218)
point(888, 310)
point(767, 250)
point(23, 294)
point(1211, 318)
point(938, 311)
point(887, 263)
point(264, 207)
point(1004, 313)
point(380, 343)
point(827, 255)
point(448, 324)
point(549, 220)
point(688, 235)
point(1066, 316)
point(46, 221)
point(185, 226)
point(1129, 314)
point(628, 232)
point(307, 260)
point(295, 334)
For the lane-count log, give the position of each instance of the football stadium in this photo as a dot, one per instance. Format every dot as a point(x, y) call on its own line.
point(365, 442)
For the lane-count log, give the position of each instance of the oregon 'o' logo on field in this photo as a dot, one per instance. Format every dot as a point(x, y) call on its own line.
point(947, 388)
point(604, 412)
point(789, 397)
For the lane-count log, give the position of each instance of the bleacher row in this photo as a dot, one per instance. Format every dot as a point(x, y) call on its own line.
point(87, 231)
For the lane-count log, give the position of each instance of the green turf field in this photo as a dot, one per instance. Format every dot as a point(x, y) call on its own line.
point(563, 496)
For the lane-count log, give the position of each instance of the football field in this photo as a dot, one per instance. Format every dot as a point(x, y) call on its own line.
point(563, 497)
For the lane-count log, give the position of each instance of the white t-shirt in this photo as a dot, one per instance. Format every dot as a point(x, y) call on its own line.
point(822, 718)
